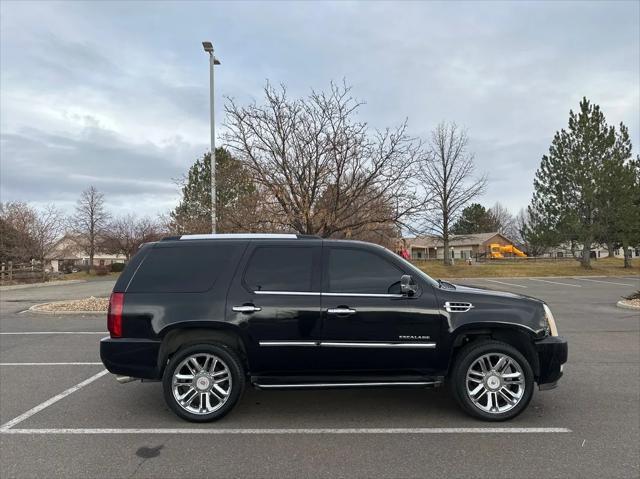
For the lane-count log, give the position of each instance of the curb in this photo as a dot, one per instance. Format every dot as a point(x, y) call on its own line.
point(53, 313)
point(42, 285)
point(35, 309)
point(623, 305)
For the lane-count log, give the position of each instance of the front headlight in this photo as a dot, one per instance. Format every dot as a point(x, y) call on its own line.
point(551, 322)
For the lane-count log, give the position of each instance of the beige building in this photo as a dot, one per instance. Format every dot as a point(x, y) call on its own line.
point(564, 250)
point(460, 246)
point(67, 254)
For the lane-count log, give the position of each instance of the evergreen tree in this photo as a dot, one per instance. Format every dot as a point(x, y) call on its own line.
point(631, 237)
point(235, 193)
point(475, 218)
point(617, 194)
point(536, 231)
point(567, 202)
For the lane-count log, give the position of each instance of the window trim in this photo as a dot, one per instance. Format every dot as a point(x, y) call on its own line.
point(288, 293)
point(319, 293)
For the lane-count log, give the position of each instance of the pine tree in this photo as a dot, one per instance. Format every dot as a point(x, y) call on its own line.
point(235, 193)
point(475, 218)
point(568, 185)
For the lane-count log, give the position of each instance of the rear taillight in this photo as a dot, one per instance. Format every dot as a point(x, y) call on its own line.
point(114, 316)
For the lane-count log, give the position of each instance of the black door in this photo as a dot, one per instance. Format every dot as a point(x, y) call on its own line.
point(275, 299)
point(369, 325)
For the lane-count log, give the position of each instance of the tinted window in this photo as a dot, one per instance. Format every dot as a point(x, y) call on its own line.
point(181, 269)
point(280, 268)
point(355, 271)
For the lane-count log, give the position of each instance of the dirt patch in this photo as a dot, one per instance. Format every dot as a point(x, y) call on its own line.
point(87, 305)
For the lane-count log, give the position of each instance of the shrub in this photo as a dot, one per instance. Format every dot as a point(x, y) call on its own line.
point(117, 267)
point(101, 270)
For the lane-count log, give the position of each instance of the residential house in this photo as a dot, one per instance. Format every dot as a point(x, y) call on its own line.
point(460, 246)
point(68, 254)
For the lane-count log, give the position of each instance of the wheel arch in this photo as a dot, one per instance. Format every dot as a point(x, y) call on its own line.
point(520, 337)
point(211, 331)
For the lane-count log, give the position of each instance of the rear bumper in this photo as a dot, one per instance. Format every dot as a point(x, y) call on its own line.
point(133, 357)
point(552, 354)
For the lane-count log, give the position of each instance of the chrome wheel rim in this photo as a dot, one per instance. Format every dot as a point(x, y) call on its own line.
point(201, 383)
point(495, 383)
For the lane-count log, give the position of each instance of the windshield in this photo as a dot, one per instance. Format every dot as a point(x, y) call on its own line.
point(419, 272)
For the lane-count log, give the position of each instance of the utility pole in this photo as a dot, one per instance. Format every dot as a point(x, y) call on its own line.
point(208, 47)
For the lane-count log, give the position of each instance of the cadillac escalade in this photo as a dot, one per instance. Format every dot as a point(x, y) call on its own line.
point(208, 314)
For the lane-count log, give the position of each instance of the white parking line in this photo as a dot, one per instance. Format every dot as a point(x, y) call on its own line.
point(372, 430)
point(555, 282)
point(51, 364)
point(605, 282)
point(55, 332)
point(34, 410)
point(502, 282)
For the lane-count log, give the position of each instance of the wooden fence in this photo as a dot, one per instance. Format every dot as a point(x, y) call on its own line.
point(21, 272)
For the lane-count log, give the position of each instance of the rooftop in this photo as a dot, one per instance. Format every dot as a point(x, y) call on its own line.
point(431, 241)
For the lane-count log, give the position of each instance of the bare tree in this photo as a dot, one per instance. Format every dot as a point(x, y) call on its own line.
point(319, 170)
point(447, 171)
point(505, 221)
point(127, 233)
point(29, 233)
point(89, 221)
point(47, 228)
point(16, 220)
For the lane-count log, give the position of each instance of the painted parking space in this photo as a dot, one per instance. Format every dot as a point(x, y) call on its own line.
point(139, 408)
point(556, 282)
point(612, 281)
point(504, 283)
point(580, 427)
point(550, 282)
point(45, 348)
point(24, 386)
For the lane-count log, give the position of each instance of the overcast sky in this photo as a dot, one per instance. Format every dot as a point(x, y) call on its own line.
point(115, 94)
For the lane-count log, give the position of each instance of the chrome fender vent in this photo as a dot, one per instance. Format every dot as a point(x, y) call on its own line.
point(454, 307)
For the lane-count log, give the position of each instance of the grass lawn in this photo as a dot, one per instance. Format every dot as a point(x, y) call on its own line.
point(89, 276)
point(511, 268)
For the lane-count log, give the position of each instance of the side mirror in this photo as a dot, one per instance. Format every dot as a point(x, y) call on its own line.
point(407, 286)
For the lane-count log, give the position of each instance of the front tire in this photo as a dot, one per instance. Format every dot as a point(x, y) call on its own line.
point(492, 380)
point(203, 382)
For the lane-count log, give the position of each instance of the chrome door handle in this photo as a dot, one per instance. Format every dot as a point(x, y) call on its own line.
point(246, 309)
point(341, 311)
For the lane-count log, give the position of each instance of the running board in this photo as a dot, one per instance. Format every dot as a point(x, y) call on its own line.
point(357, 384)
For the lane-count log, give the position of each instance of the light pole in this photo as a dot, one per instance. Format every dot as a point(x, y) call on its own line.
point(208, 47)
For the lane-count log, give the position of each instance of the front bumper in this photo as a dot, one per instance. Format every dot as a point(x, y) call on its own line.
point(133, 357)
point(552, 354)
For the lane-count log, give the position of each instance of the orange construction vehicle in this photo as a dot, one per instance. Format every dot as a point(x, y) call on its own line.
point(498, 251)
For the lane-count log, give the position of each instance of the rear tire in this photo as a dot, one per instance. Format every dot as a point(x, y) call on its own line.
point(203, 382)
point(491, 380)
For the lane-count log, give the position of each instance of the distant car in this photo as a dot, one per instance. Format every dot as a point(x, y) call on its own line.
point(208, 313)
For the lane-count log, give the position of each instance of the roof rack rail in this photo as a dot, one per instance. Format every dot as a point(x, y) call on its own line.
point(210, 236)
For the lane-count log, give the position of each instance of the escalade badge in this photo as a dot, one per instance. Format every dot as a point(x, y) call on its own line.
point(414, 337)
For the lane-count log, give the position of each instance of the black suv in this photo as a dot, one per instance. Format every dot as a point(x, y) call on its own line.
point(207, 313)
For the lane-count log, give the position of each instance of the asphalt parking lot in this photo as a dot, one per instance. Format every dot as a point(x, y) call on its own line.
point(62, 416)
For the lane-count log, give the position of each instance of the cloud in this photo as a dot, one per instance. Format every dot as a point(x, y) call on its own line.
point(47, 167)
point(116, 94)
